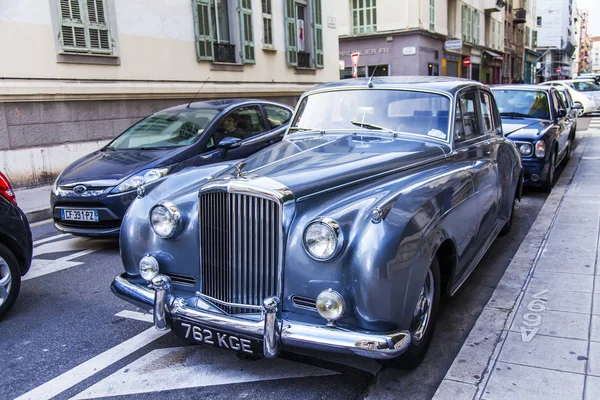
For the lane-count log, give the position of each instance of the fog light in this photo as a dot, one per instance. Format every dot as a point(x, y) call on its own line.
point(330, 305)
point(148, 267)
point(535, 177)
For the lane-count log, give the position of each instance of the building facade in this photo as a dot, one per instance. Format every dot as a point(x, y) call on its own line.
point(555, 22)
point(76, 73)
point(595, 54)
point(531, 56)
point(581, 64)
point(404, 37)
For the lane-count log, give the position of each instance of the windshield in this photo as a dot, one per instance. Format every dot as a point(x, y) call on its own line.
point(584, 86)
point(375, 109)
point(166, 129)
point(522, 103)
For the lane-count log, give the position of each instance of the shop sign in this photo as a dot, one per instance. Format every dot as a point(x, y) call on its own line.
point(453, 45)
point(331, 22)
point(365, 52)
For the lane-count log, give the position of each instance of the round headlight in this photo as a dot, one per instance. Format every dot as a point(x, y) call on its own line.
point(164, 219)
point(540, 148)
point(148, 267)
point(330, 305)
point(322, 239)
point(526, 149)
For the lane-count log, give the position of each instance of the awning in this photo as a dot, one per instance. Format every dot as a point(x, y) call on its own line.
point(494, 55)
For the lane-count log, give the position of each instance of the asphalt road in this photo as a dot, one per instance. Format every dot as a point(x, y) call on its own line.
point(69, 336)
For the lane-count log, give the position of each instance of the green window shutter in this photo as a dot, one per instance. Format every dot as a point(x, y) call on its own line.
point(73, 26)
point(247, 32)
point(476, 27)
point(290, 33)
point(318, 33)
point(464, 23)
point(98, 26)
point(203, 30)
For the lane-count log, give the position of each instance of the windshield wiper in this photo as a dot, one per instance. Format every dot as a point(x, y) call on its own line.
point(297, 128)
point(371, 126)
point(514, 114)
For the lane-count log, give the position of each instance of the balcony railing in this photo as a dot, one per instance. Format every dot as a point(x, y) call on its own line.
point(520, 16)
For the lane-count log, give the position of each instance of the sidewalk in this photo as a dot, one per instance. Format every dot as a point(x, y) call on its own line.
point(35, 203)
point(539, 335)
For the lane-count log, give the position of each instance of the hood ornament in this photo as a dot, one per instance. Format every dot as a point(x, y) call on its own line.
point(238, 169)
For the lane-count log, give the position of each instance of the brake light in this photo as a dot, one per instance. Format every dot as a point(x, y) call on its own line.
point(6, 190)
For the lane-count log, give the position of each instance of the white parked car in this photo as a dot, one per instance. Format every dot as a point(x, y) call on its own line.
point(584, 92)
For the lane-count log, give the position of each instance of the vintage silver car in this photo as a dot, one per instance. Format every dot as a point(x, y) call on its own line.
point(383, 195)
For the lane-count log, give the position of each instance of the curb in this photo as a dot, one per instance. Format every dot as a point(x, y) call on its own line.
point(38, 215)
point(469, 372)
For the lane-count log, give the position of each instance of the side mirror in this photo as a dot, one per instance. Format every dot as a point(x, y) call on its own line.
point(578, 106)
point(228, 143)
point(562, 113)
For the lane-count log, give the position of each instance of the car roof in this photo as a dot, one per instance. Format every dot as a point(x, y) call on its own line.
point(220, 105)
point(435, 83)
point(523, 87)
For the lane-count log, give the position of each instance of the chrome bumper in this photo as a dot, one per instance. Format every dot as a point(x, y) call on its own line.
point(274, 331)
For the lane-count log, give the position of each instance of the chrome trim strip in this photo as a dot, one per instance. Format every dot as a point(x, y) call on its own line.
point(276, 332)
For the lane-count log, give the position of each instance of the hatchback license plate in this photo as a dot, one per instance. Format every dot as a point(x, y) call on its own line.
point(213, 337)
point(79, 215)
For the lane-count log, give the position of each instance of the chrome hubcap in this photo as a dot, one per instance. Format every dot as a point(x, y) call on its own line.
point(5, 281)
point(422, 312)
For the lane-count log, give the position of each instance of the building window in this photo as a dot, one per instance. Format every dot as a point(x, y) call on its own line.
point(493, 34)
point(534, 39)
point(304, 33)
point(364, 16)
point(470, 24)
point(267, 17)
point(432, 15)
point(539, 21)
point(527, 35)
point(213, 20)
point(84, 27)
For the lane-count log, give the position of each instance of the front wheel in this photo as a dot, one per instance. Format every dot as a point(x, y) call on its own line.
point(423, 323)
point(508, 225)
point(549, 184)
point(10, 280)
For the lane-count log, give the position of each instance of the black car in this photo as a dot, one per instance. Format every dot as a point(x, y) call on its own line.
point(91, 196)
point(537, 121)
point(16, 246)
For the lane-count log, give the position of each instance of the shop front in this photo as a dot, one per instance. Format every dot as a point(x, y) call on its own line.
point(413, 54)
point(491, 72)
point(530, 62)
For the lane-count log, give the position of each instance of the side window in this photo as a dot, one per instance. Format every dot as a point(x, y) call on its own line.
point(555, 104)
point(487, 112)
point(470, 120)
point(277, 116)
point(243, 123)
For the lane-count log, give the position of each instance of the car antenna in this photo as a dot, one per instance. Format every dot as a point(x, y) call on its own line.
point(194, 98)
point(370, 84)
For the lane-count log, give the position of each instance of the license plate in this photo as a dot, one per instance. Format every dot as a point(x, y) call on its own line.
point(79, 215)
point(217, 338)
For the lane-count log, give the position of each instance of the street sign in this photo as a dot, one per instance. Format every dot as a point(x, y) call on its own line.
point(466, 61)
point(453, 44)
point(354, 57)
point(558, 70)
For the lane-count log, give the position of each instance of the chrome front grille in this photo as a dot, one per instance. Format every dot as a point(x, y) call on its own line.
point(239, 248)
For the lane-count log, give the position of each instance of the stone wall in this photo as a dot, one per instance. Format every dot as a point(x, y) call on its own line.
point(35, 136)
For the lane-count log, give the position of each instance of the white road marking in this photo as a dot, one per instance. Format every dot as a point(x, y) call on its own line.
point(193, 367)
point(81, 247)
point(50, 239)
point(92, 366)
point(145, 317)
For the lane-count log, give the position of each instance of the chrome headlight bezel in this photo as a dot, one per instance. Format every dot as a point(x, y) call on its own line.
point(175, 215)
point(337, 238)
point(140, 179)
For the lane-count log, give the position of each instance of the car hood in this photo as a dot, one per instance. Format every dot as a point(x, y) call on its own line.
point(106, 168)
point(308, 164)
point(524, 128)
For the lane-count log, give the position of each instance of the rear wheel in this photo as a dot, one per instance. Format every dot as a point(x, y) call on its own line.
point(508, 225)
point(568, 152)
point(423, 323)
point(549, 184)
point(10, 279)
